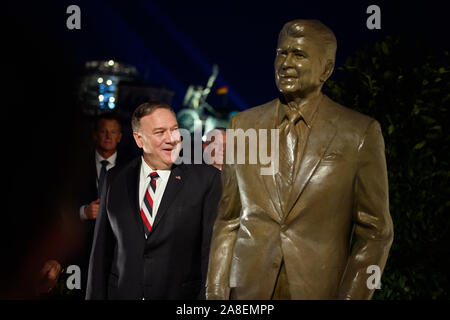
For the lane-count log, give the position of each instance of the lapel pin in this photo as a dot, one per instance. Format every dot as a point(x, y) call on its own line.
point(178, 177)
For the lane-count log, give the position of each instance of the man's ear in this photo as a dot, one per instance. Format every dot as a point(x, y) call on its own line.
point(120, 137)
point(328, 70)
point(138, 138)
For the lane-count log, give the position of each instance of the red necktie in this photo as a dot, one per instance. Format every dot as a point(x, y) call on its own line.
point(147, 203)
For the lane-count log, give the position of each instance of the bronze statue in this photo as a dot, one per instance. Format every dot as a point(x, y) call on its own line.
point(317, 228)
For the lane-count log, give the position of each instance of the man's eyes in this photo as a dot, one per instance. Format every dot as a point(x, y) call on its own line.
point(296, 53)
point(162, 131)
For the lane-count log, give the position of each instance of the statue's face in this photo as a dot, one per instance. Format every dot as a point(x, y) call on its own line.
point(298, 66)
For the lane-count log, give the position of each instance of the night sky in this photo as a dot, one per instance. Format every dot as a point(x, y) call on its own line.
point(175, 43)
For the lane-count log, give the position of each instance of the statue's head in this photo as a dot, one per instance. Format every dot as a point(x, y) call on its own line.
point(305, 57)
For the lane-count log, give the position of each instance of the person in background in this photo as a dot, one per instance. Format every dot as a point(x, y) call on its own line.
point(215, 147)
point(106, 136)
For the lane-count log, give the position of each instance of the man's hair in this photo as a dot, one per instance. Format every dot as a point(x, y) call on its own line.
point(107, 116)
point(322, 35)
point(146, 109)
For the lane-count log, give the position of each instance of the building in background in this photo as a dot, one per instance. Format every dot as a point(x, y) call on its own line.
point(114, 86)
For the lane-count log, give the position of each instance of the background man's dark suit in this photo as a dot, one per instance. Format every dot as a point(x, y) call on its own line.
point(89, 190)
point(172, 262)
point(89, 193)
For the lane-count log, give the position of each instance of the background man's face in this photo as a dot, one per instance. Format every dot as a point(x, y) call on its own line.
point(217, 143)
point(298, 66)
point(159, 138)
point(107, 135)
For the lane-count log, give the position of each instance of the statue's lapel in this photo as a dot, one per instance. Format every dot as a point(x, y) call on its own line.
point(321, 134)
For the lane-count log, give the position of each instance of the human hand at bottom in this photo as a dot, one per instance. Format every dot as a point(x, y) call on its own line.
point(48, 276)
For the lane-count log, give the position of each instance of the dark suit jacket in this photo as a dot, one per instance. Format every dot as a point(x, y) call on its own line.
point(172, 262)
point(89, 193)
point(340, 193)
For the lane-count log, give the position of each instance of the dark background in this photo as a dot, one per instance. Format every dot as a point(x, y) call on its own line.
point(173, 44)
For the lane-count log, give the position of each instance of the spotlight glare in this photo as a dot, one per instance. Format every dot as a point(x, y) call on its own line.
point(111, 62)
point(109, 82)
point(100, 80)
point(101, 97)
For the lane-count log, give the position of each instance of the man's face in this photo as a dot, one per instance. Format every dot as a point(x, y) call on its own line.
point(107, 135)
point(159, 138)
point(298, 66)
point(217, 144)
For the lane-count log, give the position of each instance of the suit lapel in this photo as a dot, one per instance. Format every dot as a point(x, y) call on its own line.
point(93, 177)
point(133, 193)
point(320, 136)
point(176, 180)
point(269, 122)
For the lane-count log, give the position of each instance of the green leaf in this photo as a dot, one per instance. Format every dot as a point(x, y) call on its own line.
point(436, 128)
point(419, 145)
point(428, 120)
point(385, 48)
point(391, 129)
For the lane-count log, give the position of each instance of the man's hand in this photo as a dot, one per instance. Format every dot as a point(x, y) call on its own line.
point(91, 210)
point(49, 275)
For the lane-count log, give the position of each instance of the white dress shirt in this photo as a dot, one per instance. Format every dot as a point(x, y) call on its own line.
point(161, 183)
point(98, 167)
point(98, 162)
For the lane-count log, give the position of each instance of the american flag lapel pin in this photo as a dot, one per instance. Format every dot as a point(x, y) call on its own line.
point(178, 177)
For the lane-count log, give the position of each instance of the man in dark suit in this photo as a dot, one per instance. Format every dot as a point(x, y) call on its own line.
point(155, 219)
point(106, 136)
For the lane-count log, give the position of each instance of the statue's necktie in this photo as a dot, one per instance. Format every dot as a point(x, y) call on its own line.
point(289, 144)
point(101, 177)
point(147, 213)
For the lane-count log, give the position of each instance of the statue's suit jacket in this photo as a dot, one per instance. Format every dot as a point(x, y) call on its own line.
point(337, 223)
